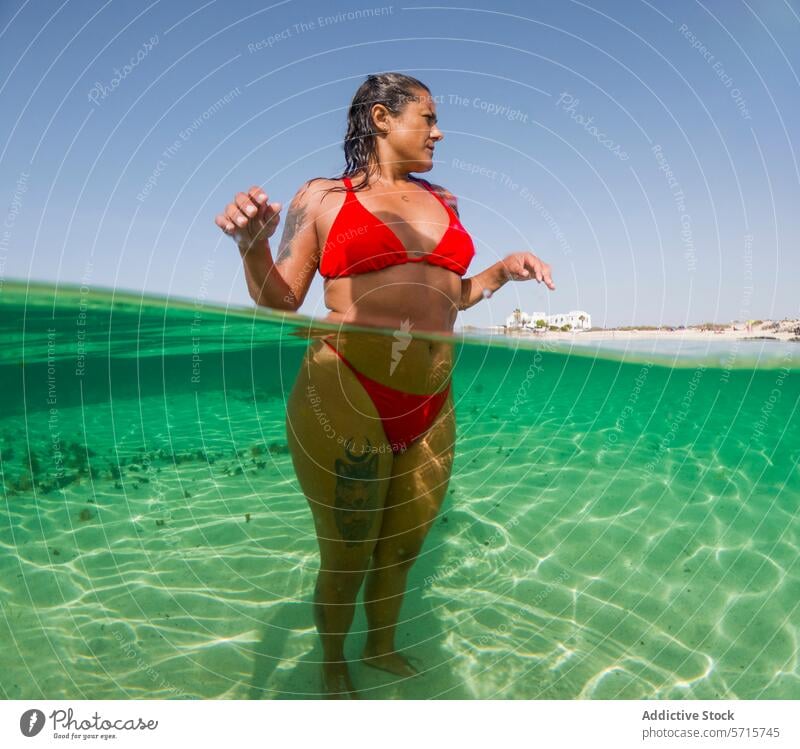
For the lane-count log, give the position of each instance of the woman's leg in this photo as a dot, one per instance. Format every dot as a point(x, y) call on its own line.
point(343, 465)
point(417, 489)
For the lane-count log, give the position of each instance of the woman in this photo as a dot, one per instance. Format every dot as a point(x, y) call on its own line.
point(370, 420)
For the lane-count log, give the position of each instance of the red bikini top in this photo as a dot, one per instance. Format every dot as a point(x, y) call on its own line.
point(358, 242)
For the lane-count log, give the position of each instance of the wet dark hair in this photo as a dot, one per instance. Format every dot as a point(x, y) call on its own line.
point(394, 91)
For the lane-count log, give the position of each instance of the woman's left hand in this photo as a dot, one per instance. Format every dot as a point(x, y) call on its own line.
point(524, 266)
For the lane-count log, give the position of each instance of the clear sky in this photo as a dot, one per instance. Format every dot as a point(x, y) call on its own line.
point(649, 151)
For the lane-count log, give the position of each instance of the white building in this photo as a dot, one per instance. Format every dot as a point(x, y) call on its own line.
point(576, 319)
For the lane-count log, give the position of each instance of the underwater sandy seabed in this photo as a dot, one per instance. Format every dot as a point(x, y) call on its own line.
point(613, 528)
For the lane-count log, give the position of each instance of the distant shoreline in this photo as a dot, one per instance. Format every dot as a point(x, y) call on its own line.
point(785, 332)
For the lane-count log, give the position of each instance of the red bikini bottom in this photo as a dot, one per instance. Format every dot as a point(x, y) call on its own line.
point(405, 416)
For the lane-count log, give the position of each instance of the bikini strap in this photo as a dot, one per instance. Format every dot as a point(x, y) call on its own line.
point(426, 185)
point(429, 188)
point(350, 194)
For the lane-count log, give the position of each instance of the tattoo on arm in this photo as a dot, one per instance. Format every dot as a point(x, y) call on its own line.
point(357, 500)
point(295, 221)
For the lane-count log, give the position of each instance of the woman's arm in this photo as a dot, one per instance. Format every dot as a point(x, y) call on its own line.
point(520, 266)
point(482, 286)
point(266, 285)
point(298, 256)
point(281, 283)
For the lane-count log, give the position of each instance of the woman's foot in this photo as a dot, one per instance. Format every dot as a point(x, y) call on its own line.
point(336, 684)
point(393, 662)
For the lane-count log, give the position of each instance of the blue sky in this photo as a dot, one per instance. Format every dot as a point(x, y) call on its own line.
point(649, 151)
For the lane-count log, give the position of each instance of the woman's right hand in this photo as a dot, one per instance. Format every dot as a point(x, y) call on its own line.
point(250, 219)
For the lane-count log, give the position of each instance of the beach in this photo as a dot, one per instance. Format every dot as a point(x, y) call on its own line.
point(785, 331)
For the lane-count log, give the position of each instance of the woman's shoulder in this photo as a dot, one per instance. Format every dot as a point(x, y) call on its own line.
point(444, 194)
point(314, 191)
point(320, 185)
point(323, 183)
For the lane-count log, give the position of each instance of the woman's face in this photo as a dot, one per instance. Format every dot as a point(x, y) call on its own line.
point(412, 135)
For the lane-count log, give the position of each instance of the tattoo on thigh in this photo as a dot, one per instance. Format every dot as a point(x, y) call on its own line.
point(356, 501)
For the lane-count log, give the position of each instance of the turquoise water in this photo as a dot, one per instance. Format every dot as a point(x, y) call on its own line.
point(618, 524)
